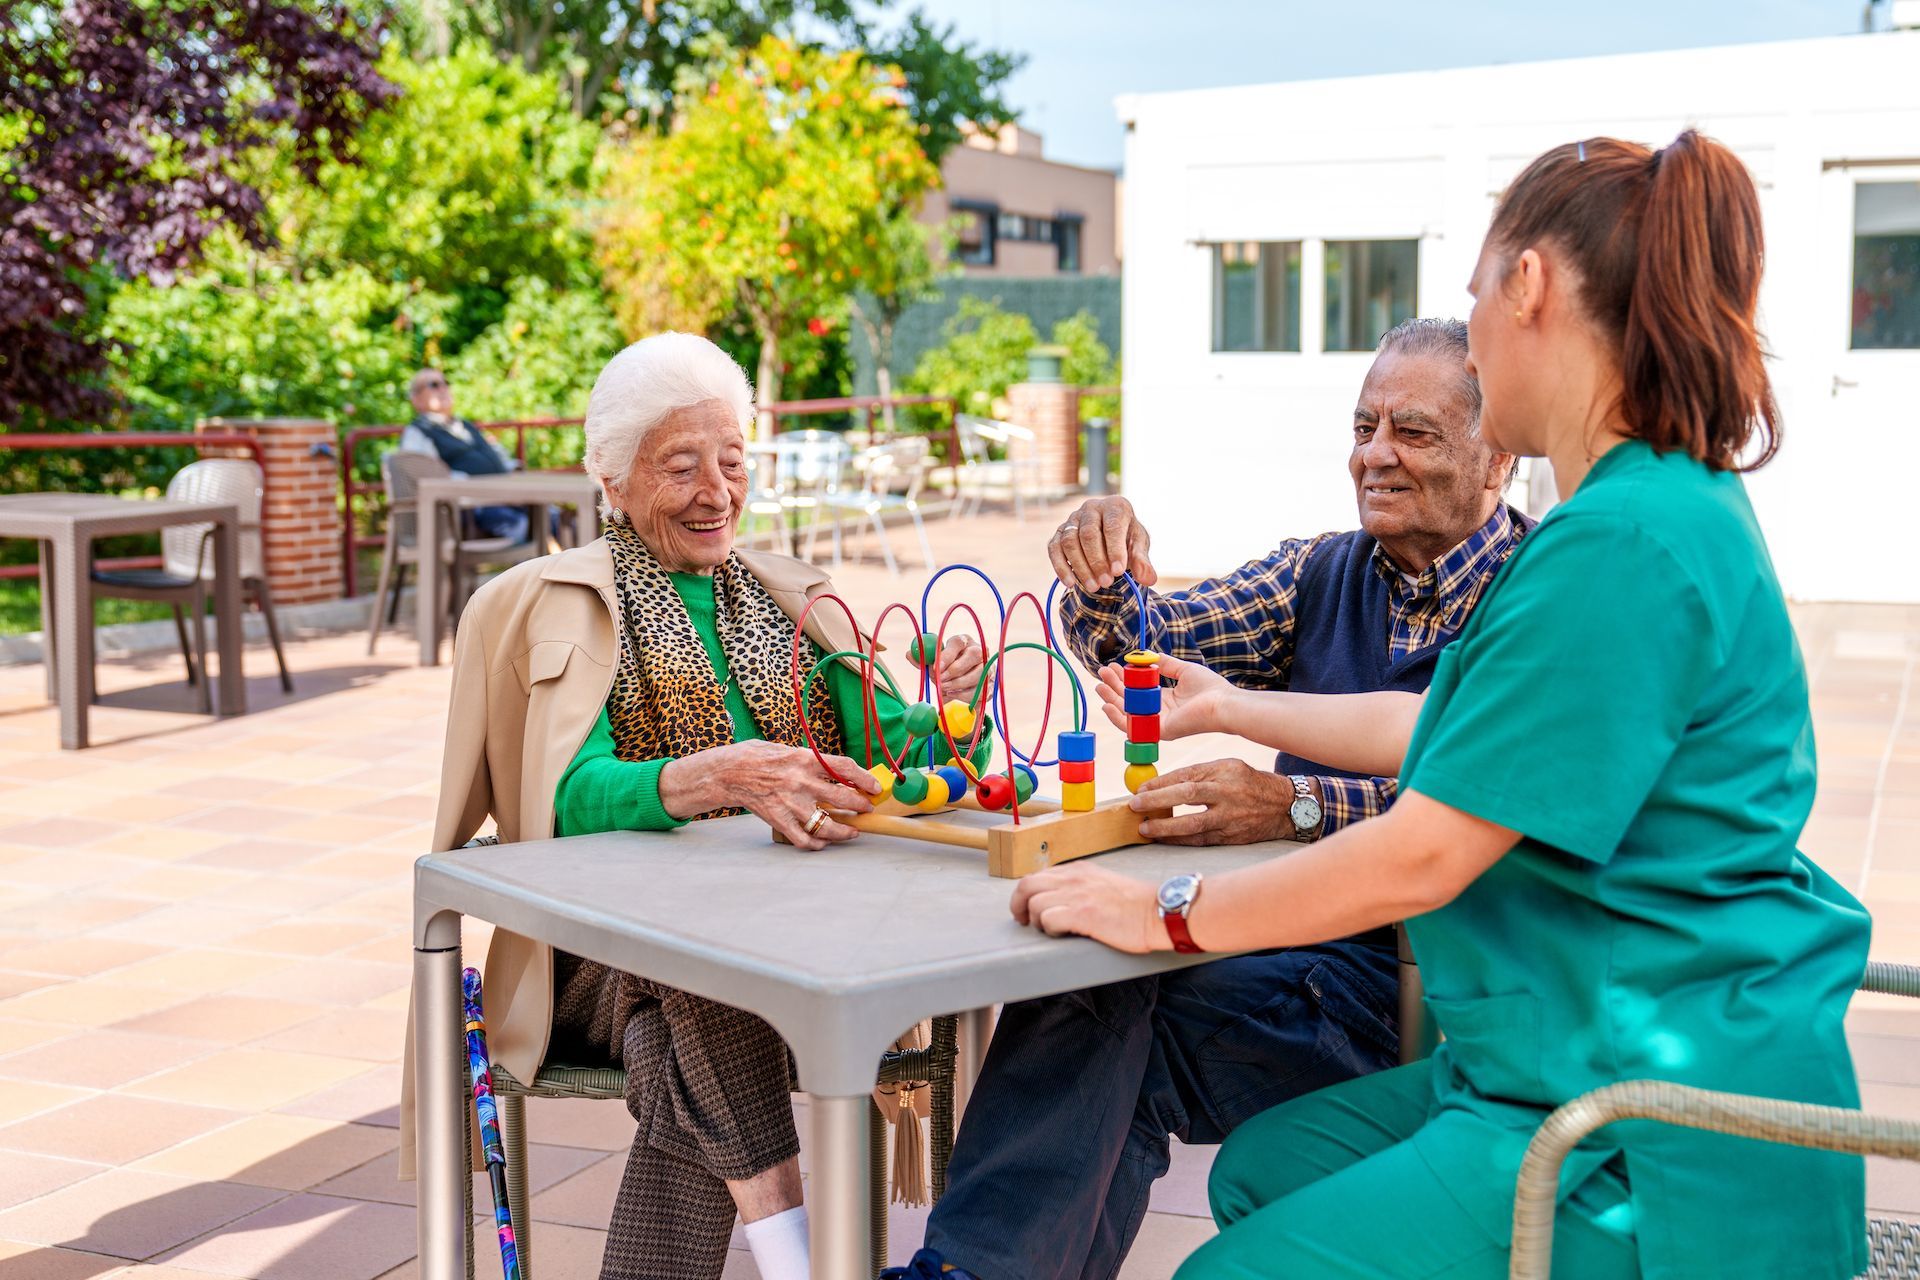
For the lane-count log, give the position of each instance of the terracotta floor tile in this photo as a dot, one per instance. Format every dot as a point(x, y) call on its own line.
point(360, 865)
point(75, 957)
point(65, 832)
point(307, 1237)
point(149, 808)
point(261, 855)
point(301, 767)
point(1183, 1190)
point(235, 819)
point(90, 1002)
point(177, 882)
point(289, 1152)
point(22, 1099)
point(286, 894)
point(199, 971)
point(20, 1261)
point(340, 828)
point(159, 843)
point(46, 802)
point(417, 807)
point(581, 1122)
point(247, 1079)
point(375, 1035)
point(18, 984)
point(111, 1128)
point(200, 923)
point(129, 1214)
point(335, 981)
point(585, 1199)
point(1893, 1186)
point(31, 1176)
point(304, 938)
point(217, 787)
point(379, 1179)
point(101, 1059)
point(16, 1035)
point(370, 1098)
point(329, 798)
point(1164, 1243)
point(225, 1019)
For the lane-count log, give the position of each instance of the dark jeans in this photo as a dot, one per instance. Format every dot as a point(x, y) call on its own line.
point(1068, 1127)
point(501, 522)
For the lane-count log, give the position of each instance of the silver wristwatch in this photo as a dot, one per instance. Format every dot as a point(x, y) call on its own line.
point(1305, 810)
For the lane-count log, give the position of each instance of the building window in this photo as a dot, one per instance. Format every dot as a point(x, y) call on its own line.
point(1370, 289)
point(1066, 238)
point(1256, 296)
point(1886, 265)
point(974, 233)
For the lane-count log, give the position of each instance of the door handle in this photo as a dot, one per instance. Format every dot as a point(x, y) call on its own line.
point(1839, 382)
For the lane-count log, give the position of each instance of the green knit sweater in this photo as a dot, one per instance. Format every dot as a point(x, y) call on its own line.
point(601, 792)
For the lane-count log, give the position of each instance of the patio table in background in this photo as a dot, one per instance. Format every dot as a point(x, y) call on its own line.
point(839, 950)
point(516, 488)
point(66, 525)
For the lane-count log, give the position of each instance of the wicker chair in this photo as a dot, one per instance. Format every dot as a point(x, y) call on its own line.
point(932, 1066)
point(1895, 1245)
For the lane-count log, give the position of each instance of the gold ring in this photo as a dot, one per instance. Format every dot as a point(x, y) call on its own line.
point(817, 821)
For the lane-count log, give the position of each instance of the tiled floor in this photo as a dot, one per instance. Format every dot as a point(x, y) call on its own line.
point(203, 954)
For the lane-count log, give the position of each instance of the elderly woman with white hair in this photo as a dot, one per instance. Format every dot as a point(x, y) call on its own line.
point(638, 683)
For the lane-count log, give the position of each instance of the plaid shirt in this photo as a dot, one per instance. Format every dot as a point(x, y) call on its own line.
point(1242, 626)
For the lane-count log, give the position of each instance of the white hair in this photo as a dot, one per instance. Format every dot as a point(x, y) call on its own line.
point(648, 381)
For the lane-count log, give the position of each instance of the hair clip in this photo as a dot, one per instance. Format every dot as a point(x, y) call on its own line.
point(1583, 152)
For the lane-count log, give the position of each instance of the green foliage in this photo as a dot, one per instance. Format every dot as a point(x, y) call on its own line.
point(985, 352)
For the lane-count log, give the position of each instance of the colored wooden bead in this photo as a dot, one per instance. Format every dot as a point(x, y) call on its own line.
point(1142, 702)
point(1137, 774)
point(922, 647)
point(938, 796)
point(923, 720)
point(1141, 677)
point(1076, 771)
point(1143, 728)
point(995, 792)
point(1076, 797)
point(1141, 658)
point(1025, 782)
point(910, 787)
point(1142, 752)
point(1076, 745)
point(884, 775)
point(959, 718)
point(958, 784)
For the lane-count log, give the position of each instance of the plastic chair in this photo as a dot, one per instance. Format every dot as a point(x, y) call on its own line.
point(900, 461)
point(981, 471)
point(188, 563)
point(402, 473)
point(1894, 1244)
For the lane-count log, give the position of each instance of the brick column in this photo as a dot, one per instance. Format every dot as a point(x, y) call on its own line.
point(1049, 409)
point(302, 520)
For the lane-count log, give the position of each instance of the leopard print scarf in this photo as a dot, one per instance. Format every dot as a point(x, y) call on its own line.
point(665, 701)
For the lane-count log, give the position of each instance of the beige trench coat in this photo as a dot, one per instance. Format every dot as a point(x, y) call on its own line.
point(533, 665)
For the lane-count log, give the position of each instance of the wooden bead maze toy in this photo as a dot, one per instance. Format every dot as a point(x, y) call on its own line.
point(915, 788)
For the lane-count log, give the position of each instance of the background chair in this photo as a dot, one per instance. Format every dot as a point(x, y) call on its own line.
point(401, 473)
point(1894, 1244)
point(891, 476)
point(1016, 472)
point(187, 552)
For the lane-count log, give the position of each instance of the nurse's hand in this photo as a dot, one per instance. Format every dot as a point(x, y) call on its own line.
point(961, 662)
point(1094, 903)
point(1191, 704)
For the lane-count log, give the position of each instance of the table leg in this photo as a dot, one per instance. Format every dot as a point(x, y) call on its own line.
point(439, 1115)
point(47, 572)
point(586, 524)
point(426, 593)
point(840, 1215)
point(73, 631)
point(229, 617)
point(976, 1029)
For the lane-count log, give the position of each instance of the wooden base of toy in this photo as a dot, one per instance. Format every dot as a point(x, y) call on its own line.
point(1045, 837)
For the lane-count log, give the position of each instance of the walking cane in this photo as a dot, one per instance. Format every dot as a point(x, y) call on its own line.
point(479, 1068)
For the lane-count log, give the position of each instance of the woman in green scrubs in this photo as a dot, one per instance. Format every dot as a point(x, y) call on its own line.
point(1601, 793)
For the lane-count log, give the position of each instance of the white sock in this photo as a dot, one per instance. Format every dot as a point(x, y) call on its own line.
point(779, 1245)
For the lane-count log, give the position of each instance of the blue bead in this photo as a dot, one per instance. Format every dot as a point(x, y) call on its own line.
point(1142, 702)
point(957, 784)
point(1076, 745)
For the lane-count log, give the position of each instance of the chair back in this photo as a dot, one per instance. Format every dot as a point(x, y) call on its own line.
point(226, 480)
point(978, 435)
point(810, 461)
point(401, 472)
point(898, 466)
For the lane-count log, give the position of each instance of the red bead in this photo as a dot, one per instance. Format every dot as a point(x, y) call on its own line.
point(995, 791)
point(1076, 771)
point(1143, 728)
point(1141, 677)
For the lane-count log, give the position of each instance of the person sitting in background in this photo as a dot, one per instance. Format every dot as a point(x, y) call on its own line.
point(651, 688)
point(465, 449)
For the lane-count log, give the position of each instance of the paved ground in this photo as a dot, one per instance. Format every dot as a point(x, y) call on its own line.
point(203, 955)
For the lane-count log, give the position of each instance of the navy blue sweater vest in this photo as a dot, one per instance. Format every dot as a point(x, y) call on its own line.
point(475, 457)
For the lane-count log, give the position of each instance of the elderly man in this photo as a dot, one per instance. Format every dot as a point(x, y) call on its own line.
point(462, 446)
point(1069, 1126)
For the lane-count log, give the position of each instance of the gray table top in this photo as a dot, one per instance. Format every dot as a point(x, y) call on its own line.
point(840, 950)
point(34, 514)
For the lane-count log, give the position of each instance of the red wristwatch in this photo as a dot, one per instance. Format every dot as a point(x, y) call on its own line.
point(1175, 899)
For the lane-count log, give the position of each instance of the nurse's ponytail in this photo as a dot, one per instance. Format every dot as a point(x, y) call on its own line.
point(1668, 248)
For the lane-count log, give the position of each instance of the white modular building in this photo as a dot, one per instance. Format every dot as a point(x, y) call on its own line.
point(1275, 231)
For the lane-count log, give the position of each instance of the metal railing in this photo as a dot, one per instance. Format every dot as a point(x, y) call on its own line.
point(61, 440)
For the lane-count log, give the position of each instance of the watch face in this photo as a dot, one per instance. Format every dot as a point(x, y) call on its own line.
point(1305, 813)
point(1177, 892)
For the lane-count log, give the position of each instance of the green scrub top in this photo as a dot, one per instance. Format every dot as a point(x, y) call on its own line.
point(1630, 697)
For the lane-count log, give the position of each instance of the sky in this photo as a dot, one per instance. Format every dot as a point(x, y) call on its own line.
point(1084, 53)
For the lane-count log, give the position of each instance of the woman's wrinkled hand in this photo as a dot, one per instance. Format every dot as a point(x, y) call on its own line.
point(784, 785)
point(1076, 898)
point(1190, 705)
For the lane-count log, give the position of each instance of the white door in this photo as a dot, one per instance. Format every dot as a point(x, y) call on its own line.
point(1852, 453)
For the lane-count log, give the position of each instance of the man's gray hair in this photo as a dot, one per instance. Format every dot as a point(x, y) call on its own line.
point(1444, 338)
point(648, 381)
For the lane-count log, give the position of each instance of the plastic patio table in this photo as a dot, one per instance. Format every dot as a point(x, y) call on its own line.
point(840, 950)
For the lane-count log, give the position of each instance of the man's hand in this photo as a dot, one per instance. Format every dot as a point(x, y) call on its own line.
point(1240, 804)
point(1097, 542)
point(960, 664)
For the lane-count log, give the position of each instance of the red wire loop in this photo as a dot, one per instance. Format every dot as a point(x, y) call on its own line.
point(872, 709)
point(946, 732)
point(1000, 692)
point(799, 697)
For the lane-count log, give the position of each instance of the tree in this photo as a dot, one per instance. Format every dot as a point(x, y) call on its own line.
point(906, 271)
point(985, 352)
point(771, 193)
point(133, 130)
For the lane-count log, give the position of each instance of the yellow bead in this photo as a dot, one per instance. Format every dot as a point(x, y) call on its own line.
point(937, 795)
point(1138, 774)
point(1142, 658)
point(1076, 797)
point(959, 718)
point(884, 775)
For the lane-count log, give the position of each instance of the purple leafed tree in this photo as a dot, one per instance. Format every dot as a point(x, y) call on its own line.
point(125, 131)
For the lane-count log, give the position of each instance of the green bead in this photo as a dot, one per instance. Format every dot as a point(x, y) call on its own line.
point(923, 719)
point(1023, 782)
point(911, 788)
point(1142, 752)
point(920, 652)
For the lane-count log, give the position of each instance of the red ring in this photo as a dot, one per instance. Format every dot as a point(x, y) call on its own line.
point(793, 675)
point(1000, 690)
point(980, 632)
point(872, 709)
